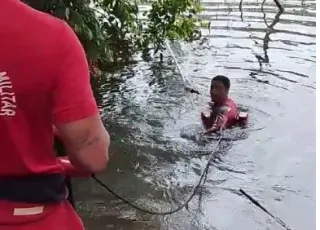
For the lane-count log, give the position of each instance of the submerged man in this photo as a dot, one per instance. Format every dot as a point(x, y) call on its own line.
point(223, 111)
point(44, 81)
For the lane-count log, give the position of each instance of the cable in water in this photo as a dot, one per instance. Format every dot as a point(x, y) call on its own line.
point(255, 202)
point(191, 90)
point(180, 207)
point(192, 194)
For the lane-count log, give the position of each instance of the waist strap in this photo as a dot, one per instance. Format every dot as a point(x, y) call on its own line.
point(41, 189)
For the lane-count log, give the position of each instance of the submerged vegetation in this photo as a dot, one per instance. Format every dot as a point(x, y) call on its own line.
point(112, 31)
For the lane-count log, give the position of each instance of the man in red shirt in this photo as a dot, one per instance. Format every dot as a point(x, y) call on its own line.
point(223, 111)
point(44, 81)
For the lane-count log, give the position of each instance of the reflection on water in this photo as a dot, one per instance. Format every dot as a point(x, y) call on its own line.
point(158, 152)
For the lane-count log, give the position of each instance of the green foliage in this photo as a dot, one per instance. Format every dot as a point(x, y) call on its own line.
point(111, 31)
point(172, 19)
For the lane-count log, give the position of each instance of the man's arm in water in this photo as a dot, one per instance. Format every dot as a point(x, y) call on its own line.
point(207, 121)
point(220, 121)
point(75, 113)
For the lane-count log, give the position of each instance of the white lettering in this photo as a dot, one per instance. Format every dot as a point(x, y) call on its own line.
point(7, 104)
point(4, 82)
point(7, 96)
point(7, 112)
point(3, 88)
point(3, 74)
point(10, 99)
point(4, 78)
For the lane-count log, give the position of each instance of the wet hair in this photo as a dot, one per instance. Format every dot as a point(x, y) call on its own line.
point(223, 79)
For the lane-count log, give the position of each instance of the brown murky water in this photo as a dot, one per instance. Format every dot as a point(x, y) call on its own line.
point(158, 153)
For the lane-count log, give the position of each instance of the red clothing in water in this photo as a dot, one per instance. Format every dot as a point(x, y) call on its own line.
point(221, 117)
point(44, 80)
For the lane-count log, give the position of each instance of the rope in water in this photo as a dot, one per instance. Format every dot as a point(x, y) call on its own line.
point(176, 62)
point(191, 90)
point(255, 202)
point(180, 207)
point(202, 180)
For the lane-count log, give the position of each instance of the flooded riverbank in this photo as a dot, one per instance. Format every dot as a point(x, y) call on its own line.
point(158, 153)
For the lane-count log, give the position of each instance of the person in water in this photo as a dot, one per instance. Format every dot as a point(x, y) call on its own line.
point(223, 111)
point(44, 81)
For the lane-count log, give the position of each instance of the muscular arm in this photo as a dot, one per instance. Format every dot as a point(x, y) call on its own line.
point(87, 143)
point(75, 113)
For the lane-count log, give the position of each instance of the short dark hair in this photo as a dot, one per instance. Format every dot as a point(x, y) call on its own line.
point(223, 79)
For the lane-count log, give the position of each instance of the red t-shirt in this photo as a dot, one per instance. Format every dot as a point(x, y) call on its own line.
point(231, 113)
point(222, 116)
point(44, 80)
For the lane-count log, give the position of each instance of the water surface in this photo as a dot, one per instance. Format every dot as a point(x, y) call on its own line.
point(158, 154)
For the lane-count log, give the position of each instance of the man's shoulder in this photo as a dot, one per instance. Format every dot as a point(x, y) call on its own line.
point(25, 15)
point(38, 29)
point(46, 31)
point(45, 22)
point(230, 103)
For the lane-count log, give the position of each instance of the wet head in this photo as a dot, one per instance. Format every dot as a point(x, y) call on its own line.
point(219, 89)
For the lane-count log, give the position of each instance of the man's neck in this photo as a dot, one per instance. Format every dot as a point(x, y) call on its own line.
point(221, 103)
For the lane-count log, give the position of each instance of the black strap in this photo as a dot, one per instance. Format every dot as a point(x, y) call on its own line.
point(43, 188)
point(60, 150)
